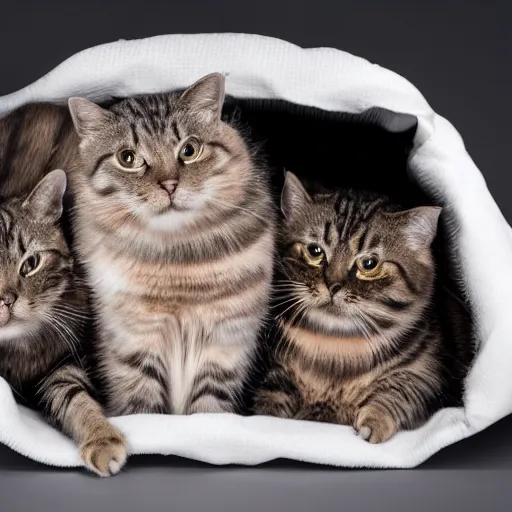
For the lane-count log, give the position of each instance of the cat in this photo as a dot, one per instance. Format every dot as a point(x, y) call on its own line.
point(35, 139)
point(43, 319)
point(175, 225)
point(358, 341)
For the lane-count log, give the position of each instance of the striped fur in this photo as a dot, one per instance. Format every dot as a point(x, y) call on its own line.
point(181, 282)
point(43, 319)
point(356, 346)
point(34, 140)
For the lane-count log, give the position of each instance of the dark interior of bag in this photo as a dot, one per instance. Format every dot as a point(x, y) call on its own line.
point(364, 151)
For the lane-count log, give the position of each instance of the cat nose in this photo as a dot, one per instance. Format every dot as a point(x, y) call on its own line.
point(334, 288)
point(169, 186)
point(7, 299)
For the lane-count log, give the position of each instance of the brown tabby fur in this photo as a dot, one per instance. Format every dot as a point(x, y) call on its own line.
point(356, 348)
point(41, 345)
point(181, 281)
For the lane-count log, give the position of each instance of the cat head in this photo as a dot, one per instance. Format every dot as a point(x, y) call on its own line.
point(354, 264)
point(166, 160)
point(35, 263)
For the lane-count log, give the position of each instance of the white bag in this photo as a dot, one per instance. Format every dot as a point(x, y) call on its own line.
point(260, 67)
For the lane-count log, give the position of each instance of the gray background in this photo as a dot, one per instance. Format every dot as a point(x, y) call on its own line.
point(458, 53)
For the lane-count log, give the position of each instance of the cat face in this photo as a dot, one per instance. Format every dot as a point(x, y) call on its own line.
point(166, 160)
point(355, 265)
point(35, 263)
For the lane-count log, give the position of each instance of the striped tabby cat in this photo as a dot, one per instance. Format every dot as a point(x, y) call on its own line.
point(43, 316)
point(174, 223)
point(359, 342)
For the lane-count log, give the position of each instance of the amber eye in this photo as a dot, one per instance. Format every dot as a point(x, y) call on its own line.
point(30, 265)
point(368, 266)
point(315, 250)
point(314, 255)
point(190, 151)
point(369, 263)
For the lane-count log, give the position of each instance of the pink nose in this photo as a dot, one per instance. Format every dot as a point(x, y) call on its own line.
point(169, 186)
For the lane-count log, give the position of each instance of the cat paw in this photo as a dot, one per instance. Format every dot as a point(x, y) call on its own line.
point(270, 403)
point(105, 454)
point(318, 411)
point(375, 426)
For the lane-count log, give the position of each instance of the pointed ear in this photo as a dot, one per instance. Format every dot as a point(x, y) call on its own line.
point(294, 196)
point(87, 116)
point(44, 203)
point(419, 225)
point(206, 95)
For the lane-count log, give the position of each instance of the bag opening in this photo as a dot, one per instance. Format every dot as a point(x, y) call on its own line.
point(367, 151)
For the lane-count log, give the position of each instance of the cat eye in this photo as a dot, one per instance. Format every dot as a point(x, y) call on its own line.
point(190, 151)
point(314, 255)
point(369, 266)
point(128, 159)
point(369, 263)
point(31, 265)
point(315, 250)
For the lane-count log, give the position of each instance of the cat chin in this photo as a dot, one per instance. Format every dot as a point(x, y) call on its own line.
point(330, 324)
point(13, 331)
point(186, 207)
point(172, 220)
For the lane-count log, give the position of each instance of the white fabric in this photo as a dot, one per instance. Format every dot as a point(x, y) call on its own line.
point(332, 80)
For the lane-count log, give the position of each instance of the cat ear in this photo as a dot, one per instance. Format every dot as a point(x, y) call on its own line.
point(294, 196)
point(44, 203)
point(87, 116)
point(206, 95)
point(419, 225)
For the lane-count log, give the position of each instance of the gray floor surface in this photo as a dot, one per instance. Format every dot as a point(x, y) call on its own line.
point(474, 475)
point(458, 53)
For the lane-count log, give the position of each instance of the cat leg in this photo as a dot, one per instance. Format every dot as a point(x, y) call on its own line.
point(396, 401)
point(318, 411)
point(67, 402)
point(136, 383)
point(275, 403)
point(278, 395)
point(217, 388)
point(223, 363)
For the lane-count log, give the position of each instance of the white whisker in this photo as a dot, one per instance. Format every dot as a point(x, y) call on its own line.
point(230, 206)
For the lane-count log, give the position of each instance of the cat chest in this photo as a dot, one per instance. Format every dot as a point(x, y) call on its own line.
point(179, 359)
point(160, 288)
point(184, 360)
point(19, 367)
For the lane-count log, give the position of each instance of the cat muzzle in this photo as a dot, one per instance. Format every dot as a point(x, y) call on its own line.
point(169, 186)
point(6, 303)
point(334, 288)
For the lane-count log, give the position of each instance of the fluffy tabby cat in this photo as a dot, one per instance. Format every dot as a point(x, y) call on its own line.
point(359, 341)
point(174, 223)
point(43, 316)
